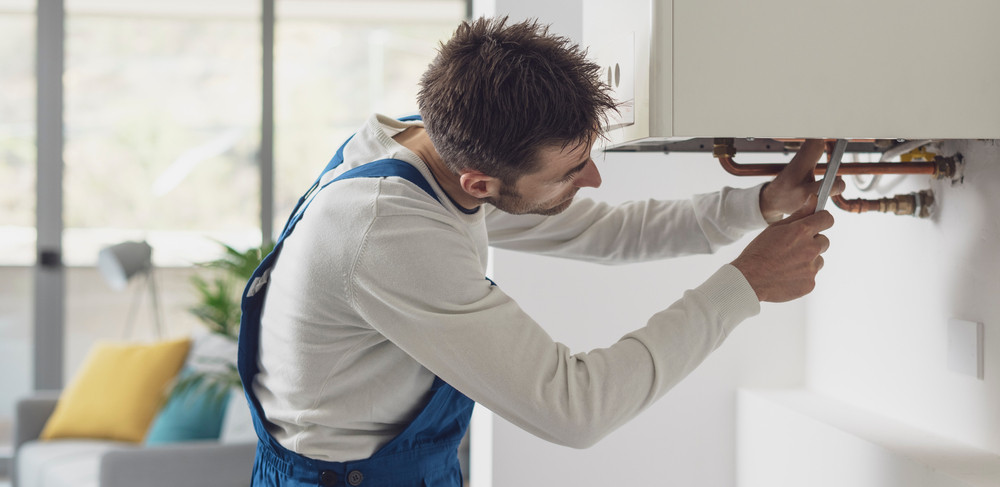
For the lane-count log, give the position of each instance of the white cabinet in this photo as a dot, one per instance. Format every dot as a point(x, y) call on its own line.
point(800, 68)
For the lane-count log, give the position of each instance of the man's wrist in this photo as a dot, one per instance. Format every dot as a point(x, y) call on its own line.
point(764, 201)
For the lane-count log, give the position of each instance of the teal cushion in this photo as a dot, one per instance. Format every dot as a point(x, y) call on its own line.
point(193, 414)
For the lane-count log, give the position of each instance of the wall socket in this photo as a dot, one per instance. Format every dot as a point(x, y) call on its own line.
point(965, 347)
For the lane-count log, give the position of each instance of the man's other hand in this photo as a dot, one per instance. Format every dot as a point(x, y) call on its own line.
point(790, 188)
point(782, 262)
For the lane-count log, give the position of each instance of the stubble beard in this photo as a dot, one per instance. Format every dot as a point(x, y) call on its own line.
point(512, 202)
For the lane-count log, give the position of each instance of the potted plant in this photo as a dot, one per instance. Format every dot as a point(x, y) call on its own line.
point(218, 308)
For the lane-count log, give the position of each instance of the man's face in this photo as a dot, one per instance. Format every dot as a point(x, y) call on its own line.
point(550, 190)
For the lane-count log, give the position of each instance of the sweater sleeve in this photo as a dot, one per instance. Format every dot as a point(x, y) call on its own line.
point(635, 231)
point(427, 295)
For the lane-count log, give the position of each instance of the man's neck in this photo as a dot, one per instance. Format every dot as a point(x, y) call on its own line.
point(416, 140)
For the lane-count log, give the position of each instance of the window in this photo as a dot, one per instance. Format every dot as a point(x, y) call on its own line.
point(17, 133)
point(17, 205)
point(162, 132)
point(162, 124)
point(338, 62)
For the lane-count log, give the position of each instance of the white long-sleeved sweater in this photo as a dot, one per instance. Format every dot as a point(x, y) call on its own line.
point(380, 288)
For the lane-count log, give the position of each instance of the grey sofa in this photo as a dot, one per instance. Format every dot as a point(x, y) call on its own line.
point(102, 463)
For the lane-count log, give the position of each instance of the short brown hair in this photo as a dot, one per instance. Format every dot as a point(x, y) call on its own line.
point(496, 94)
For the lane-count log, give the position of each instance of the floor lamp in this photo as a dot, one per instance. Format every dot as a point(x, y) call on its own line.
point(122, 262)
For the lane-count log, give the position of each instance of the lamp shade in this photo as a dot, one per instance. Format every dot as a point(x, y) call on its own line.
point(119, 263)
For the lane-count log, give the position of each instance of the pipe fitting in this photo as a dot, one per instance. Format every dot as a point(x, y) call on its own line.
point(901, 204)
point(723, 147)
point(946, 167)
point(917, 204)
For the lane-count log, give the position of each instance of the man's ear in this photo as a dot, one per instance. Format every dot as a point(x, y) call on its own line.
point(479, 185)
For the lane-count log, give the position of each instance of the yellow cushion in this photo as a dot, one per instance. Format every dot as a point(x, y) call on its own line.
point(116, 393)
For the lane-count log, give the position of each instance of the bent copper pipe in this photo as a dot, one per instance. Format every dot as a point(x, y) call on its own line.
point(855, 206)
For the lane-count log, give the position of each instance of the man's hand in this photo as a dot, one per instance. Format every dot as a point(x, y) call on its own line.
point(790, 188)
point(782, 262)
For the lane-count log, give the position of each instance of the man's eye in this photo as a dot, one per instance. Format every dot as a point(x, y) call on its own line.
point(569, 177)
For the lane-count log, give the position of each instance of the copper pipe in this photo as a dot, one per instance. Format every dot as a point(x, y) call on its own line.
point(724, 151)
point(915, 204)
point(854, 206)
point(737, 169)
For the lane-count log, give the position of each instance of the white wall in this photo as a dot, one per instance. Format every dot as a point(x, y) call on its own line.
point(688, 438)
point(876, 335)
point(798, 437)
point(564, 16)
point(878, 319)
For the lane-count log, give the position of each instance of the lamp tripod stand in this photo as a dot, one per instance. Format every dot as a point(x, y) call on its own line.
point(121, 263)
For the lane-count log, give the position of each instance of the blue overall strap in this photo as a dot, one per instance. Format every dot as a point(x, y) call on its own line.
point(378, 169)
point(335, 162)
point(425, 453)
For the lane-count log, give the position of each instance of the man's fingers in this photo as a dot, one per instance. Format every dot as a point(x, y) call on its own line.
point(817, 222)
point(823, 241)
point(805, 210)
point(814, 223)
point(805, 160)
point(838, 186)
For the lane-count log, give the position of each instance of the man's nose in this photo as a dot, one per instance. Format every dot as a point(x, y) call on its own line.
point(589, 177)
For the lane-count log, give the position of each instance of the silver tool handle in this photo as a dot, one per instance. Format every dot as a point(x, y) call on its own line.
point(831, 174)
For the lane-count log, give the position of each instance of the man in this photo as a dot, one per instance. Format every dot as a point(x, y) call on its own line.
point(371, 329)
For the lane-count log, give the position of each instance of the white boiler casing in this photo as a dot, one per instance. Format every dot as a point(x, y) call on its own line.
point(859, 69)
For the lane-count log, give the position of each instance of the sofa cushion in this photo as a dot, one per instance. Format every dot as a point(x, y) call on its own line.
point(194, 413)
point(62, 463)
point(198, 401)
point(117, 391)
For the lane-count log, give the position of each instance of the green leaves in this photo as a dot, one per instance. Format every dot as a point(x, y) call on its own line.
point(216, 384)
point(240, 265)
point(219, 304)
point(218, 308)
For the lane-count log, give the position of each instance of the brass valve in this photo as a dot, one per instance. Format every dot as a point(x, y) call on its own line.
point(723, 147)
point(918, 204)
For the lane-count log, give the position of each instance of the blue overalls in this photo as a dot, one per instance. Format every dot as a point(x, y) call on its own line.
point(424, 454)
